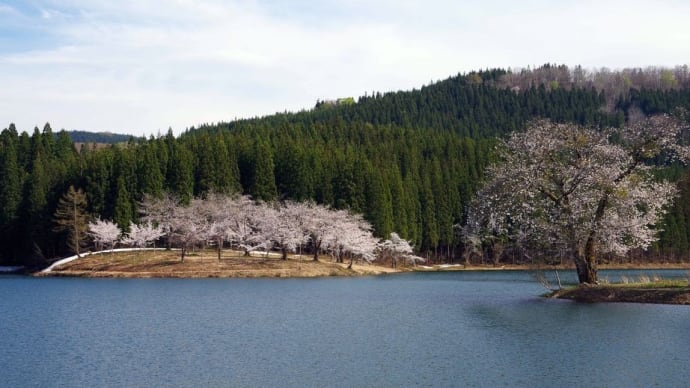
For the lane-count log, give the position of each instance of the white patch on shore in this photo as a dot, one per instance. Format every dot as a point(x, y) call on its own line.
point(8, 269)
point(75, 257)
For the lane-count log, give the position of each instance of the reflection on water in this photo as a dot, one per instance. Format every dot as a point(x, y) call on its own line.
point(435, 329)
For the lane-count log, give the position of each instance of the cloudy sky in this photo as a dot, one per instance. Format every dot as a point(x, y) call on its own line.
point(139, 67)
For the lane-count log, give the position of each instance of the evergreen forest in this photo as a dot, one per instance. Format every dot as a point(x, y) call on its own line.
point(409, 161)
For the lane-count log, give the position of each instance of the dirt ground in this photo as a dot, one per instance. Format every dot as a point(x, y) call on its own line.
point(205, 264)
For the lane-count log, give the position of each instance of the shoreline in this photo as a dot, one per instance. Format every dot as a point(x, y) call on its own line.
point(161, 263)
point(329, 269)
point(164, 263)
point(639, 293)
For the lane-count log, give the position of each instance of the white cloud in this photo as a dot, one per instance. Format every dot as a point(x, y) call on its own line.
point(142, 66)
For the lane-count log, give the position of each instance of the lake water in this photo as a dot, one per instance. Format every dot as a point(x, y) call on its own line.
point(431, 329)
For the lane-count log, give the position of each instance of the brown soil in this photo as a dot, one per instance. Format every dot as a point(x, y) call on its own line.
point(158, 264)
point(625, 294)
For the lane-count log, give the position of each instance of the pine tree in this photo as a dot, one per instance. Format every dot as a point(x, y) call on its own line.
point(379, 205)
point(181, 171)
point(70, 217)
point(226, 178)
point(10, 179)
point(205, 173)
point(398, 201)
point(97, 177)
point(148, 171)
point(263, 185)
point(430, 235)
point(123, 213)
point(35, 198)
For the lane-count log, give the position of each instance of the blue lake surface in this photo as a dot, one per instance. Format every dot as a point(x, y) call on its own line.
point(424, 329)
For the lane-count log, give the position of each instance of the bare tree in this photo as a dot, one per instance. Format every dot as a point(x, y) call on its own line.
point(70, 216)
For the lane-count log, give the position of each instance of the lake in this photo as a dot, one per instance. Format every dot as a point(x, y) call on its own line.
point(422, 329)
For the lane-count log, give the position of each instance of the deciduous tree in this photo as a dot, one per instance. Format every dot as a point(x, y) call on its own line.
point(398, 248)
point(141, 236)
point(564, 189)
point(70, 217)
point(104, 233)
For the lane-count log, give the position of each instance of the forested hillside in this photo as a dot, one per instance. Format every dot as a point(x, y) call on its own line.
point(409, 161)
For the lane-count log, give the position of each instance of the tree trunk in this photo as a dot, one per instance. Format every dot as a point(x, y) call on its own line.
point(585, 260)
point(283, 250)
point(586, 267)
point(317, 247)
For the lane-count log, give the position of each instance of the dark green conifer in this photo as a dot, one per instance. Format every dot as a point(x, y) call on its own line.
point(263, 185)
point(123, 213)
point(10, 177)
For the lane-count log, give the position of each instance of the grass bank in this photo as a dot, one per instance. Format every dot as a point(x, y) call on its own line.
point(659, 292)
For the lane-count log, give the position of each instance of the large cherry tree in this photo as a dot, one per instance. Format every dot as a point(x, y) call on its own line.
point(578, 192)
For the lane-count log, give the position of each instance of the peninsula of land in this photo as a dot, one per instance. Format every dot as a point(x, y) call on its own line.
point(129, 263)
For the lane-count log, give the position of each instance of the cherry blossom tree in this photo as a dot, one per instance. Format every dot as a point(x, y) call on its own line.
point(141, 236)
point(294, 222)
point(160, 212)
point(318, 223)
point(243, 224)
point(104, 233)
point(215, 209)
point(351, 237)
point(188, 227)
point(278, 228)
point(251, 226)
point(563, 189)
point(398, 248)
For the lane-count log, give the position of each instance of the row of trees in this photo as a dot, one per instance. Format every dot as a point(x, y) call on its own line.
point(615, 84)
point(243, 224)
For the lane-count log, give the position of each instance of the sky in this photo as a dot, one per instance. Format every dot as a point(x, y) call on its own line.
point(140, 67)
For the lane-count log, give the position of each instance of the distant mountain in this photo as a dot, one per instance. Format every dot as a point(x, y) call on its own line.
point(98, 137)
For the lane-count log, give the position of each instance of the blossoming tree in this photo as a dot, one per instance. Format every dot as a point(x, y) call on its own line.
point(578, 192)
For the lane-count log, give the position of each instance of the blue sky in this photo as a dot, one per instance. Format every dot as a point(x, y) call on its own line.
point(139, 67)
